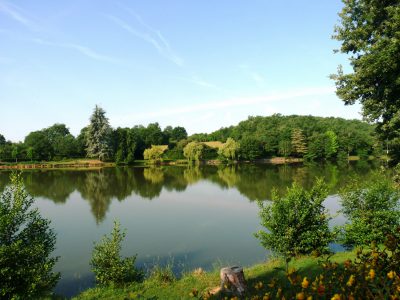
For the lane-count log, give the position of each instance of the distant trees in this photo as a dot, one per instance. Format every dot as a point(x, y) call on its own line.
point(98, 135)
point(193, 151)
point(298, 145)
point(154, 153)
point(314, 138)
point(230, 149)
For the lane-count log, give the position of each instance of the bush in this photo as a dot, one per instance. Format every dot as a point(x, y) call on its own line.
point(372, 210)
point(108, 266)
point(372, 275)
point(26, 242)
point(296, 223)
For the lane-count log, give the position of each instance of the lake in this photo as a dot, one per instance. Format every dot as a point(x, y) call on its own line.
point(189, 216)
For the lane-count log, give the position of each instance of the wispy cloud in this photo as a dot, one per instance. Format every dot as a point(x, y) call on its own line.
point(257, 77)
point(199, 81)
point(149, 35)
point(17, 14)
point(79, 48)
point(235, 102)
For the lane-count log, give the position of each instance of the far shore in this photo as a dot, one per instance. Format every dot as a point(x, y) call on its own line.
point(96, 164)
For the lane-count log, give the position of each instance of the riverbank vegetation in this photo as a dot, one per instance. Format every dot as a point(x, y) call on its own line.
point(305, 137)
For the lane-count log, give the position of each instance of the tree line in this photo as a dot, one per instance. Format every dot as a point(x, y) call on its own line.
point(309, 137)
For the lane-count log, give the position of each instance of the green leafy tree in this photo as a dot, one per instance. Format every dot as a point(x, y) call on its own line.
point(285, 148)
point(29, 153)
point(193, 151)
point(98, 138)
point(230, 149)
point(372, 210)
point(41, 145)
point(178, 133)
point(368, 32)
point(331, 144)
point(299, 146)
point(250, 148)
point(296, 223)
point(15, 153)
point(109, 267)
point(154, 153)
point(26, 243)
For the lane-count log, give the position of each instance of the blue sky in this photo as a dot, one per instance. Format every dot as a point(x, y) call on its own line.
point(197, 64)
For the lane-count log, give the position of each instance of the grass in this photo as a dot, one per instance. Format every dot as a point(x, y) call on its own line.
point(67, 163)
point(156, 288)
point(215, 144)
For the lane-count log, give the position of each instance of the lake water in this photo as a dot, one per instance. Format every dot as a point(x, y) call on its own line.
point(194, 216)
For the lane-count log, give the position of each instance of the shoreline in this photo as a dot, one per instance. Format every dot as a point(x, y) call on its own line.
point(96, 164)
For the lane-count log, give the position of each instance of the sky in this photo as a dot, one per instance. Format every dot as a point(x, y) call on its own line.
point(202, 65)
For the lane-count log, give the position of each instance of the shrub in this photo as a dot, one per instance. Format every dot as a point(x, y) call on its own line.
point(372, 210)
point(26, 242)
point(372, 275)
point(108, 266)
point(296, 223)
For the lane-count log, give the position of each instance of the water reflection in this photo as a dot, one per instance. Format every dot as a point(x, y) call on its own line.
point(100, 186)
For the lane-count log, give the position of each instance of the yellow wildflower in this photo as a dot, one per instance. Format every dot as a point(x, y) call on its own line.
point(305, 283)
point(300, 296)
point(351, 280)
point(391, 274)
point(336, 297)
point(267, 296)
point(309, 298)
point(371, 274)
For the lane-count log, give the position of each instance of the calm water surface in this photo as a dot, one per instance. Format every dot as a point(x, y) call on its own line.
point(196, 217)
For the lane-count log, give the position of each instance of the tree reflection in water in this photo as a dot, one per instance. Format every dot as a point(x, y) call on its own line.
point(255, 181)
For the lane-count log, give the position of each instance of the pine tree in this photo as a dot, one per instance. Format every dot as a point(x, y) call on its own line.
point(299, 146)
point(98, 137)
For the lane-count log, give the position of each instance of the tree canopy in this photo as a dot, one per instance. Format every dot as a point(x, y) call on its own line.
point(369, 34)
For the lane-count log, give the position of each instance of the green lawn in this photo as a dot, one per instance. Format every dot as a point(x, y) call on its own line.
point(208, 281)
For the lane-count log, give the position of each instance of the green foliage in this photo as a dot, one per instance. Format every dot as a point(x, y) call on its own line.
point(26, 243)
point(299, 146)
point(154, 153)
point(178, 133)
point(98, 135)
point(250, 148)
point(193, 151)
point(230, 149)
point(285, 148)
point(108, 266)
point(372, 210)
point(331, 144)
point(368, 32)
point(296, 223)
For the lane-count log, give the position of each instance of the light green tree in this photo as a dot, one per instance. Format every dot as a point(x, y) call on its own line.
point(14, 153)
point(193, 151)
point(331, 144)
point(299, 146)
point(154, 153)
point(285, 148)
point(29, 153)
point(98, 135)
point(230, 149)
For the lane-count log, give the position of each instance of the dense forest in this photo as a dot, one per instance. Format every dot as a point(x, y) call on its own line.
point(309, 137)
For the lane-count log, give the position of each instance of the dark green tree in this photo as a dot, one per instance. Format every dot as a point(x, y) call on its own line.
point(369, 33)
point(40, 144)
point(98, 138)
point(250, 148)
point(178, 133)
point(26, 243)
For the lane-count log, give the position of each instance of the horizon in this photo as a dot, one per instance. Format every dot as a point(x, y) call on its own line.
point(202, 66)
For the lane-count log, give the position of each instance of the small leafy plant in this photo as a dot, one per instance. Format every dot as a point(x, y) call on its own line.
point(109, 267)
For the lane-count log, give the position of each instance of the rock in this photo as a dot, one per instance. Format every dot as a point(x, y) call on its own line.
point(232, 280)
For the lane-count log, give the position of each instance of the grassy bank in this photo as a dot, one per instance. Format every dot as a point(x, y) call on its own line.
point(72, 163)
point(203, 282)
